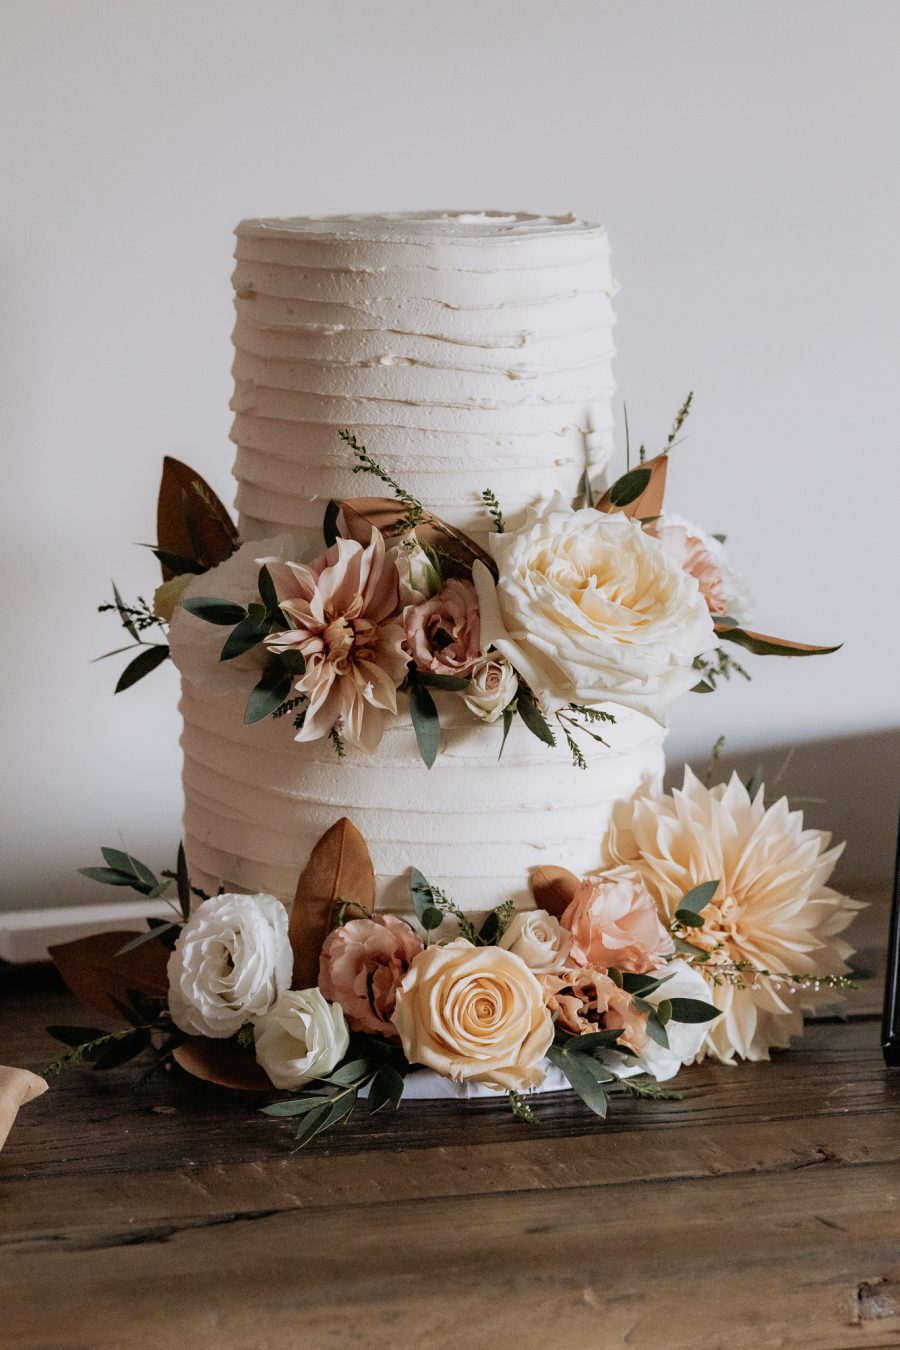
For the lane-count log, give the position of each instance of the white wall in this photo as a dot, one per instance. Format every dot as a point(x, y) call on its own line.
point(743, 156)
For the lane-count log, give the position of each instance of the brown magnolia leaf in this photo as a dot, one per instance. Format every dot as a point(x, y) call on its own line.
point(456, 550)
point(553, 889)
point(191, 522)
point(763, 645)
point(224, 1063)
point(649, 500)
point(339, 867)
point(95, 973)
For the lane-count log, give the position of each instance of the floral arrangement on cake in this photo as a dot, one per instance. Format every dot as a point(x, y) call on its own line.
point(609, 985)
point(607, 602)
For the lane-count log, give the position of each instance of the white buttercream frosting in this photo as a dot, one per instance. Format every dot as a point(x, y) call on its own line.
point(467, 350)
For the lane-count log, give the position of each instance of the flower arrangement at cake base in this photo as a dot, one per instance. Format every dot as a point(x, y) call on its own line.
point(609, 985)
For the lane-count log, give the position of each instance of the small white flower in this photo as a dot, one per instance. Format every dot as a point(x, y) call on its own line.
point(537, 939)
point(685, 1038)
point(493, 684)
point(302, 1037)
point(419, 576)
point(231, 961)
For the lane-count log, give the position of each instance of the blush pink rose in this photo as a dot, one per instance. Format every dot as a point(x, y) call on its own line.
point(588, 1000)
point(614, 922)
point(361, 967)
point(443, 633)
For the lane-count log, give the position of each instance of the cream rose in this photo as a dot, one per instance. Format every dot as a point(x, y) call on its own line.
point(492, 685)
point(539, 939)
point(301, 1037)
point(590, 609)
point(474, 1014)
point(231, 961)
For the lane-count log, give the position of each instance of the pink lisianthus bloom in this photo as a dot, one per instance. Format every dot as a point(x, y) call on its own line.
point(361, 967)
point(443, 633)
point(344, 614)
point(702, 556)
point(584, 1000)
point(614, 921)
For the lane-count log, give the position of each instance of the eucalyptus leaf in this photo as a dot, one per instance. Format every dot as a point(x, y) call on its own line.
point(423, 898)
point(127, 622)
point(297, 1106)
point(122, 1050)
point(533, 718)
point(456, 683)
point(656, 1031)
point(247, 634)
point(755, 782)
point(222, 612)
point(348, 1074)
point(426, 723)
point(629, 487)
point(386, 1089)
point(109, 876)
point(146, 660)
point(692, 1010)
point(509, 713)
point(267, 591)
point(688, 918)
point(596, 1040)
point(123, 862)
point(664, 1010)
point(183, 883)
point(292, 659)
point(642, 984)
point(157, 931)
point(584, 1075)
point(268, 695)
point(698, 897)
point(329, 523)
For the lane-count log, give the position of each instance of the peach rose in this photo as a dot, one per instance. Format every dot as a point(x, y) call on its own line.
point(443, 633)
point(474, 1014)
point(614, 922)
point(588, 1000)
point(703, 557)
point(361, 966)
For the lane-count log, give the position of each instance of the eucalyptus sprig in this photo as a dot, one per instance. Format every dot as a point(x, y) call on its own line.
point(136, 619)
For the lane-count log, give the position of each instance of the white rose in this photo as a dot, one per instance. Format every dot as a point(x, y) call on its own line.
point(302, 1037)
point(538, 939)
point(231, 961)
point(685, 1038)
point(196, 644)
point(493, 683)
point(474, 1014)
point(590, 609)
point(420, 578)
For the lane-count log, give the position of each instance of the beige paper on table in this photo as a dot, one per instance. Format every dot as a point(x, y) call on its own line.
point(17, 1086)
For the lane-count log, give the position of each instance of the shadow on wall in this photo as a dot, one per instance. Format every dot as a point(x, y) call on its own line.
point(849, 786)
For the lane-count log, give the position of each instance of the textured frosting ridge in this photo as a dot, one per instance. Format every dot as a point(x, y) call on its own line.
point(467, 350)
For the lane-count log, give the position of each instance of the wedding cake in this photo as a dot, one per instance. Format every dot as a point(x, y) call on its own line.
point(469, 351)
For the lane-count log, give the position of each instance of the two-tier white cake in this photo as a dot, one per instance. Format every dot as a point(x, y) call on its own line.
point(467, 351)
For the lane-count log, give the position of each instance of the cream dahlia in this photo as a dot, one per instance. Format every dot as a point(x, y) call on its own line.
point(772, 912)
point(344, 612)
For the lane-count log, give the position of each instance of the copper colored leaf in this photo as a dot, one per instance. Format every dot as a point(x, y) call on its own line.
point(553, 889)
point(762, 645)
point(97, 973)
point(647, 503)
point(191, 522)
point(456, 551)
point(339, 867)
point(224, 1063)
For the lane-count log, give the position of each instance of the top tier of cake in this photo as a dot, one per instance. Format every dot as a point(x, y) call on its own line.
point(467, 350)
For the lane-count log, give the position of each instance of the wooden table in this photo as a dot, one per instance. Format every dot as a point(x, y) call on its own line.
point(761, 1210)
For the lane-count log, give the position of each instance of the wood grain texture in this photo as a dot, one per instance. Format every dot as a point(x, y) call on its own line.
point(761, 1210)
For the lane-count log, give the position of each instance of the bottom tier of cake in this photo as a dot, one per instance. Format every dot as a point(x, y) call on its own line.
point(256, 802)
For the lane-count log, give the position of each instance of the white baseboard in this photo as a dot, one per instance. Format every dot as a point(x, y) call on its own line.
point(26, 934)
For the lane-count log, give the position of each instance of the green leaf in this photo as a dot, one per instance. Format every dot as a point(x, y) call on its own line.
point(249, 633)
point(316, 1121)
point(696, 899)
point(426, 723)
point(755, 782)
point(656, 1031)
point(692, 1010)
point(329, 523)
point(76, 1035)
point(704, 687)
point(423, 898)
point(762, 645)
point(109, 876)
point(688, 918)
point(596, 1040)
point(509, 713)
point(292, 659)
point(156, 931)
point(267, 591)
point(268, 694)
point(183, 883)
point(585, 1076)
point(166, 932)
point(222, 612)
point(629, 487)
point(122, 1050)
point(297, 1106)
point(533, 718)
point(456, 683)
point(348, 1074)
point(146, 660)
point(127, 622)
point(720, 537)
point(176, 563)
point(664, 1011)
point(386, 1089)
point(123, 862)
point(642, 984)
